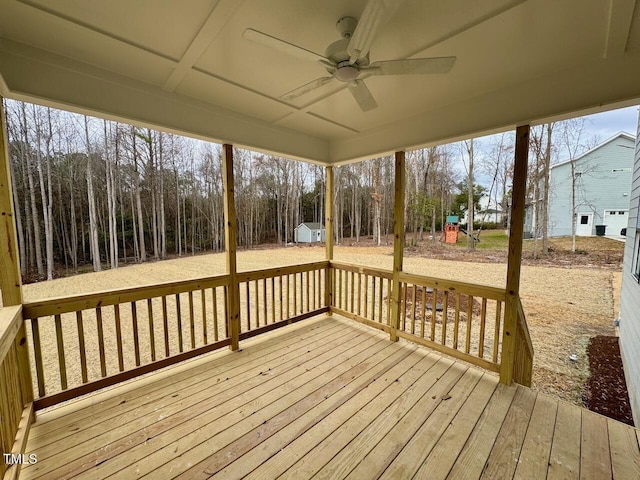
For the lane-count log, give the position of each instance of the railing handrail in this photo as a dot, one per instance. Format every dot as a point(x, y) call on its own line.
point(492, 293)
point(251, 275)
point(10, 321)
point(59, 305)
point(351, 267)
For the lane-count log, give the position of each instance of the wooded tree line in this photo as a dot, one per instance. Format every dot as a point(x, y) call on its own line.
point(101, 193)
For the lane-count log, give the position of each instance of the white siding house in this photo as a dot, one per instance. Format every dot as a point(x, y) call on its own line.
point(603, 188)
point(630, 295)
point(309, 233)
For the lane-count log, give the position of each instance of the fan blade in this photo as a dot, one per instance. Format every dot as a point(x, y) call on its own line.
point(317, 83)
point(362, 95)
point(411, 66)
point(375, 14)
point(286, 47)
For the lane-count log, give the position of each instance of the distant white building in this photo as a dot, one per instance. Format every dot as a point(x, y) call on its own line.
point(602, 193)
point(489, 212)
point(309, 232)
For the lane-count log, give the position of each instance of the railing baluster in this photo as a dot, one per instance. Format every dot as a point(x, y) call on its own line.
point(81, 346)
point(388, 301)
point(179, 318)
point(116, 314)
point(256, 302)
point(424, 311)
point(280, 300)
point(496, 332)
point(203, 302)
point(165, 323)
point(313, 290)
point(467, 345)
point(445, 315)
point(152, 340)
point(61, 358)
point(273, 300)
point(373, 298)
point(136, 338)
point(225, 304)
point(353, 280)
point(264, 300)
point(359, 292)
point(35, 331)
point(295, 295)
point(366, 296)
point(483, 321)
point(457, 321)
point(192, 325)
point(248, 295)
point(288, 295)
point(404, 291)
point(214, 306)
point(103, 363)
point(434, 305)
point(380, 288)
point(413, 309)
point(307, 290)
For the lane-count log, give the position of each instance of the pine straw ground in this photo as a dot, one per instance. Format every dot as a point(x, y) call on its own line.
point(565, 306)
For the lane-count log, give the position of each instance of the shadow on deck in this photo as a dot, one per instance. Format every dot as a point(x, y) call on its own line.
point(326, 398)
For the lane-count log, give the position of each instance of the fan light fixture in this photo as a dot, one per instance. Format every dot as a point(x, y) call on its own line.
point(346, 73)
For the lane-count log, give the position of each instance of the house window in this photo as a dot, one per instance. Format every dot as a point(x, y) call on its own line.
point(584, 219)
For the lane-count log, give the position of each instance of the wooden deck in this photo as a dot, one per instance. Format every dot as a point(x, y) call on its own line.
point(326, 398)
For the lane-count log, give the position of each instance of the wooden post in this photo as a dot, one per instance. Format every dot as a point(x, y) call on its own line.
point(328, 234)
point(233, 292)
point(398, 244)
point(514, 260)
point(10, 280)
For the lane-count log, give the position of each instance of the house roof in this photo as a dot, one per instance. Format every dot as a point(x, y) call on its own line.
point(312, 225)
point(597, 147)
point(189, 68)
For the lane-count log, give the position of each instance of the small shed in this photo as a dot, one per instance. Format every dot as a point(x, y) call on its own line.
point(308, 232)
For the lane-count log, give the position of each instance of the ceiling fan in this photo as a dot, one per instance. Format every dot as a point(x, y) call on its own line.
point(347, 60)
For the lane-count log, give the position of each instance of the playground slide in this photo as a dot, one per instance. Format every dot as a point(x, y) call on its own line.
point(475, 237)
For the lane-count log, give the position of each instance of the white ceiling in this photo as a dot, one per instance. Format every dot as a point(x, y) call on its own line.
point(184, 66)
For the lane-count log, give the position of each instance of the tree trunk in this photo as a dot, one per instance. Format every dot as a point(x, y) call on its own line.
point(471, 245)
point(32, 196)
point(545, 194)
point(93, 226)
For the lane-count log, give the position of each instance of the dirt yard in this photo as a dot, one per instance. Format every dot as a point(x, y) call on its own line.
point(565, 307)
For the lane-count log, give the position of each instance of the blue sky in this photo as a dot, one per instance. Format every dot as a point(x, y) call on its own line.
point(607, 124)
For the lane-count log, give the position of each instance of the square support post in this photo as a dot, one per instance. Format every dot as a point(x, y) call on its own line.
point(514, 260)
point(230, 227)
point(10, 279)
point(328, 236)
point(398, 243)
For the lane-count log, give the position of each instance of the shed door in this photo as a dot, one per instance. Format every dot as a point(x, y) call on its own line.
point(615, 220)
point(584, 225)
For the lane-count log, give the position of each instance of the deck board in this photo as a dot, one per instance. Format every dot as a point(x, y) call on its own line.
point(326, 398)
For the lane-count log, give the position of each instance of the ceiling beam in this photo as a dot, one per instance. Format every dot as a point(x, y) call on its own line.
point(220, 14)
point(619, 27)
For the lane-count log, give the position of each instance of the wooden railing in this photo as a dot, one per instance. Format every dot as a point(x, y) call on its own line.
point(277, 297)
point(16, 394)
point(523, 361)
point(83, 343)
point(460, 319)
point(87, 342)
point(362, 294)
